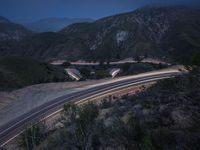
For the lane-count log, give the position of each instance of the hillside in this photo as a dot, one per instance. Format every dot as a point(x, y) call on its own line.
point(16, 72)
point(164, 117)
point(171, 33)
point(53, 24)
point(155, 31)
point(12, 31)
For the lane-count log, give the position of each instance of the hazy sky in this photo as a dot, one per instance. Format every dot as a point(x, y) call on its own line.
point(31, 10)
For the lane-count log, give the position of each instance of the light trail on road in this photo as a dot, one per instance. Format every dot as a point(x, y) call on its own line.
point(17, 125)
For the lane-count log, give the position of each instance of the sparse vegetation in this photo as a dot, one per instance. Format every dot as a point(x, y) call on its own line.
point(196, 59)
point(66, 64)
point(99, 74)
point(166, 116)
point(85, 72)
point(17, 72)
point(32, 136)
point(80, 125)
point(179, 41)
point(135, 68)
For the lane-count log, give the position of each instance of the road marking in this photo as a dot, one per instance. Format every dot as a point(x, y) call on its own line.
point(82, 100)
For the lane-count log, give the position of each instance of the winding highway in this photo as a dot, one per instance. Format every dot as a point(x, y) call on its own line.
point(12, 128)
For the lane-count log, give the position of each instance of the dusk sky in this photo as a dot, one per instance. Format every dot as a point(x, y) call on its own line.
point(32, 10)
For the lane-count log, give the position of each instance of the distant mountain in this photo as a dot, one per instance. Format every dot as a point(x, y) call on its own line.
point(12, 31)
point(53, 24)
point(4, 20)
point(160, 32)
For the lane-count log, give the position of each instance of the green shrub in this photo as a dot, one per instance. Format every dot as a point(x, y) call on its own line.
point(32, 136)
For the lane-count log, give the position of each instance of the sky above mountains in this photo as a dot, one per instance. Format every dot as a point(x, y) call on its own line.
point(31, 10)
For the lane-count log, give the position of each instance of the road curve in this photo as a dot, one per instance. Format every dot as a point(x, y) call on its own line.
point(9, 130)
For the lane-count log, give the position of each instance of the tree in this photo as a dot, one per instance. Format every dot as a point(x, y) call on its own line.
point(108, 63)
point(125, 67)
point(101, 74)
point(32, 136)
point(69, 113)
point(55, 79)
point(145, 55)
point(101, 64)
point(85, 123)
point(106, 103)
point(118, 57)
point(66, 64)
point(196, 59)
point(138, 58)
point(85, 72)
point(79, 123)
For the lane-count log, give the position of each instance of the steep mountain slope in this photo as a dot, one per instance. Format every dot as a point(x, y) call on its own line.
point(12, 31)
point(156, 31)
point(53, 24)
point(161, 32)
point(49, 46)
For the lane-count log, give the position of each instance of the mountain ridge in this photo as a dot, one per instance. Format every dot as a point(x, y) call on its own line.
point(53, 24)
point(155, 24)
point(12, 31)
point(171, 33)
point(4, 20)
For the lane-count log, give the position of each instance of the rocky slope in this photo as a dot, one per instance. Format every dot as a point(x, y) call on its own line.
point(162, 32)
point(12, 31)
point(156, 31)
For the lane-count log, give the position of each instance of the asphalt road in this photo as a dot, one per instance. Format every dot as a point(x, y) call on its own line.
point(17, 125)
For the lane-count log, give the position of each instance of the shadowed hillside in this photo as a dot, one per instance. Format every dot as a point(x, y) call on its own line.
point(170, 33)
point(16, 72)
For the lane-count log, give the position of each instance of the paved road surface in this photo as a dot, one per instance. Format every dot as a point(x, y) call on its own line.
point(15, 126)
